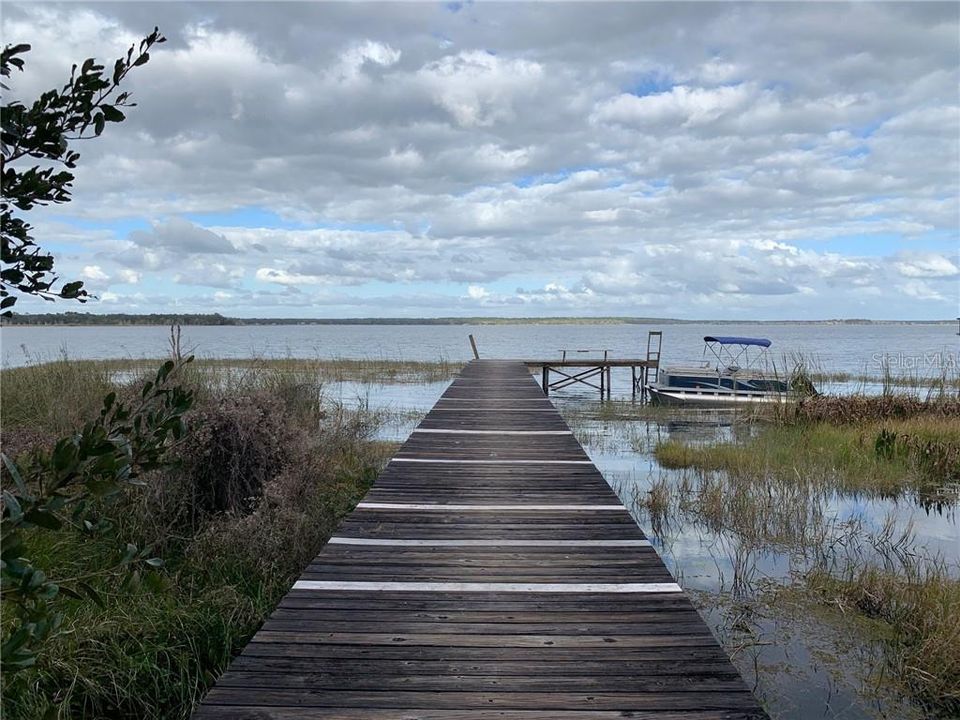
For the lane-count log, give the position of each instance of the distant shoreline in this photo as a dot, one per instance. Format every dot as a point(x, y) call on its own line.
point(214, 320)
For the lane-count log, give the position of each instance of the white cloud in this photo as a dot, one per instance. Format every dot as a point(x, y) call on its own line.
point(478, 89)
point(95, 273)
point(684, 106)
point(927, 265)
point(283, 277)
point(128, 276)
point(920, 290)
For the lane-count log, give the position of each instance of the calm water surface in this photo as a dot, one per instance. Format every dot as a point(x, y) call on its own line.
point(917, 349)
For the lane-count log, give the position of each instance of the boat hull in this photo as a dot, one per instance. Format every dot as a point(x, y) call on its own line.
point(709, 398)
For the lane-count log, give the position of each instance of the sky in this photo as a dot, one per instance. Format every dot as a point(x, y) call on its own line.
point(690, 160)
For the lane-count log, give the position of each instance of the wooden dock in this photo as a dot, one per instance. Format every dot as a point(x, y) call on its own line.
point(490, 573)
point(575, 368)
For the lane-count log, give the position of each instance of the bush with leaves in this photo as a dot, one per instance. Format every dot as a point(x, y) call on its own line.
point(43, 132)
point(71, 486)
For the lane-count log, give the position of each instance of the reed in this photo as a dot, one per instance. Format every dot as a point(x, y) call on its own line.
point(911, 605)
point(920, 453)
point(878, 585)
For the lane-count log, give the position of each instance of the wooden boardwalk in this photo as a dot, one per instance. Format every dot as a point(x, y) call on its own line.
point(490, 573)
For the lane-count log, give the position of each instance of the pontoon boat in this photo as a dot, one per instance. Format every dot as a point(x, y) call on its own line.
point(736, 373)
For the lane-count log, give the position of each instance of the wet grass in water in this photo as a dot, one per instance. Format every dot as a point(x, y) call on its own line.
point(763, 497)
point(920, 454)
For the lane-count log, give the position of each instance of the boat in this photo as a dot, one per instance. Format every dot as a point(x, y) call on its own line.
point(734, 375)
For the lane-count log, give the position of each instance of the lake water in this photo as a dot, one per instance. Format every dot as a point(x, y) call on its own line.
point(917, 350)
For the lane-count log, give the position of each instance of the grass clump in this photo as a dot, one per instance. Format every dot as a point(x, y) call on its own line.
point(261, 482)
point(848, 409)
point(914, 613)
point(884, 455)
point(54, 397)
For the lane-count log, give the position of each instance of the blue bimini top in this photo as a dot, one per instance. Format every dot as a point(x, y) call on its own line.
point(726, 340)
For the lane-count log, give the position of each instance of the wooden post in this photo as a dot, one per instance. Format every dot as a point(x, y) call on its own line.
point(609, 382)
point(546, 380)
point(602, 376)
point(633, 376)
point(473, 344)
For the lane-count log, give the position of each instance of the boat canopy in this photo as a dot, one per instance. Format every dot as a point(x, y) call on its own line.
point(728, 340)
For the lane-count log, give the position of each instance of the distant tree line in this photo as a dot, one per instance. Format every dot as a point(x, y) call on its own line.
point(78, 318)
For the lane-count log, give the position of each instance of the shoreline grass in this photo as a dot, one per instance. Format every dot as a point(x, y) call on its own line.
point(773, 490)
point(883, 445)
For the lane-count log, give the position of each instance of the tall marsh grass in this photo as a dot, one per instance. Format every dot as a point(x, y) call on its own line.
point(911, 604)
point(881, 445)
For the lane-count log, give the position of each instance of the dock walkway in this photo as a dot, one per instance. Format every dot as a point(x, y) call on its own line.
point(489, 573)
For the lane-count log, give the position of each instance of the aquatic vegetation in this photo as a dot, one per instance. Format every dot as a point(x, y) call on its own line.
point(369, 371)
point(55, 397)
point(916, 618)
point(921, 453)
point(880, 587)
point(848, 409)
point(909, 602)
point(780, 513)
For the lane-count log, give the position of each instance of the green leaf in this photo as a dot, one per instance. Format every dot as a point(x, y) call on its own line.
point(154, 562)
point(91, 593)
point(14, 473)
point(72, 594)
point(142, 60)
point(12, 545)
point(98, 122)
point(43, 519)
point(12, 505)
point(72, 290)
point(111, 114)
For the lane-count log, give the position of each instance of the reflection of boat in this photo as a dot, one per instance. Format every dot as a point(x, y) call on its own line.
point(733, 376)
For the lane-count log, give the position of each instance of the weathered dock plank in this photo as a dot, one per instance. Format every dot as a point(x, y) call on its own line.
point(490, 572)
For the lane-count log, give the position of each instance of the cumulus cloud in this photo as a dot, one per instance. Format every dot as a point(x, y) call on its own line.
point(683, 106)
point(926, 265)
point(128, 276)
point(478, 88)
point(787, 160)
point(95, 273)
point(181, 235)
